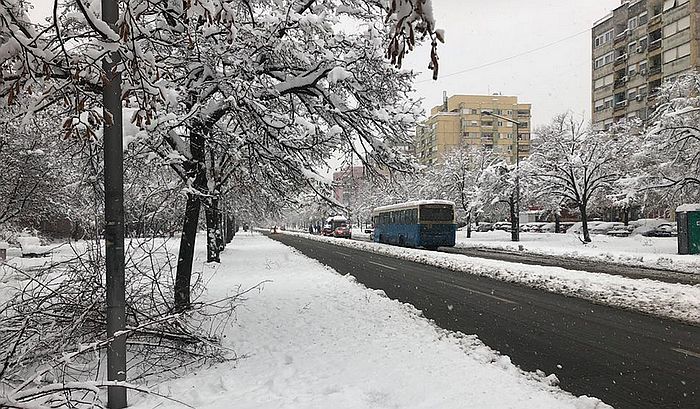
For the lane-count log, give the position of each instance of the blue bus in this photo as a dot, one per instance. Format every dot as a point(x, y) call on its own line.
point(427, 223)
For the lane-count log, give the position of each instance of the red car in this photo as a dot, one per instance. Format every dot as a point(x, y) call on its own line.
point(342, 232)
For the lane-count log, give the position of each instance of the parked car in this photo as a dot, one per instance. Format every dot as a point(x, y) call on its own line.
point(564, 226)
point(327, 230)
point(662, 230)
point(643, 226)
point(604, 227)
point(342, 232)
point(532, 227)
point(505, 226)
point(483, 226)
point(577, 227)
point(369, 230)
point(548, 228)
point(621, 231)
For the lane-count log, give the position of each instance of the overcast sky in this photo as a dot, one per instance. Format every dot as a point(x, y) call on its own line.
point(553, 79)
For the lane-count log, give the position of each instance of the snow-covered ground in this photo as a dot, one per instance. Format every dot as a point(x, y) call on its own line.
point(678, 301)
point(312, 338)
point(637, 250)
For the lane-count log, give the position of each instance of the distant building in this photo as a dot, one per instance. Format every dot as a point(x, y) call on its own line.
point(346, 182)
point(635, 48)
point(460, 121)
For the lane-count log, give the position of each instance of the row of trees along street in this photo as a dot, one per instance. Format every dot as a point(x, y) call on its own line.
point(233, 106)
point(572, 168)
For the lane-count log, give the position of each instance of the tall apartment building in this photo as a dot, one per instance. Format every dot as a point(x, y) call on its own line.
point(635, 48)
point(460, 121)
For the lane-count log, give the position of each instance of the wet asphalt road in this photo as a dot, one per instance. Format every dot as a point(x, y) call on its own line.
point(627, 359)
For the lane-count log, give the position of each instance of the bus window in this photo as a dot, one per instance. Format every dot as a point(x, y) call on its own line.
point(436, 214)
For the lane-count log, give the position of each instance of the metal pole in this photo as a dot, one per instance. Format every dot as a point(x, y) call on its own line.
point(516, 232)
point(114, 216)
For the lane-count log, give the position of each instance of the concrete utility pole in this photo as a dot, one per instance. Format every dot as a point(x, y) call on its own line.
point(114, 215)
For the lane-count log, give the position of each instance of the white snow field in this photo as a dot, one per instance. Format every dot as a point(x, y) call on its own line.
point(677, 301)
point(311, 338)
point(636, 250)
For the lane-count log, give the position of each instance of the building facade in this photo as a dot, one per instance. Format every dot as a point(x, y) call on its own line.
point(460, 121)
point(635, 48)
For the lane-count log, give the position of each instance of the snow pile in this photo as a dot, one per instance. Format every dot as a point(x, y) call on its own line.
point(678, 301)
point(311, 338)
point(636, 250)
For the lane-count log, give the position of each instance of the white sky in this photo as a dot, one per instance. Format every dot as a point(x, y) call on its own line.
point(554, 79)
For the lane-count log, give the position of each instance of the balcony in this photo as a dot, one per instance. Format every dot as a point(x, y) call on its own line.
point(656, 44)
point(621, 59)
point(620, 105)
point(653, 22)
point(655, 70)
point(620, 37)
point(620, 82)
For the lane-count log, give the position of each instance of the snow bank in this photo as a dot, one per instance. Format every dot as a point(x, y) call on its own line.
point(311, 338)
point(677, 301)
point(635, 250)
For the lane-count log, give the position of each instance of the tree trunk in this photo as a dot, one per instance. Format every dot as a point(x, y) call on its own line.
point(195, 170)
point(212, 215)
point(514, 225)
point(186, 254)
point(557, 223)
point(584, 223)
point(626, 216)
point(469, 225)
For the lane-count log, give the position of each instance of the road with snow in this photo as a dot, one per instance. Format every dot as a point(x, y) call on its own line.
point(627, 359)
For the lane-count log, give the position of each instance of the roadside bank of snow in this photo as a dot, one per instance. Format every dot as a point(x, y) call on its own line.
point(311, 338)
point(636, 250)
point(677, 301)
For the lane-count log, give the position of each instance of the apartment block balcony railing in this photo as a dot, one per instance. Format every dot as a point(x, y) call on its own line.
point(653, 22)
point(656, 44)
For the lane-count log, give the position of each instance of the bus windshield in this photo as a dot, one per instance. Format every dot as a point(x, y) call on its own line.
point(436, 214)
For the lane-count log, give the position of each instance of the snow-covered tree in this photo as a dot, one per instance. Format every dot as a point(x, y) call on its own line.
point(574, 163)
point(667, 158)
point(276, 86)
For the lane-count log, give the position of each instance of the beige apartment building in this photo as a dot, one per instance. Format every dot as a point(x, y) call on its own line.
point(460, 120)
point(635, 48)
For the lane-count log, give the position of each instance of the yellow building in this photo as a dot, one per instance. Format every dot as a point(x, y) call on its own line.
point(460, 120)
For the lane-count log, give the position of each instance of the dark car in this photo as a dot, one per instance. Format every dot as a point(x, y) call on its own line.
point(327, 230)
point(662, 230)
point(342, 232)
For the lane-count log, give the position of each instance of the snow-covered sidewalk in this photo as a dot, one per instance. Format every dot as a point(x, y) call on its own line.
point(312, 338)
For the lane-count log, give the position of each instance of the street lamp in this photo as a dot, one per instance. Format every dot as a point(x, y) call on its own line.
point(515, 215)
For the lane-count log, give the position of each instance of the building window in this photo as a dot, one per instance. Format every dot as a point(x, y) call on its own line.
point(475, 112)
point(604, 81)
point(632, 94)
point(608, 102)
point(632, 47)
point(599, 105)
point(632, 23)
point(669, 4)
point(676, 53)
point(643, 67)
point(603, 38)
point(632, 70)
point(642, 91)
point(677, 26)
